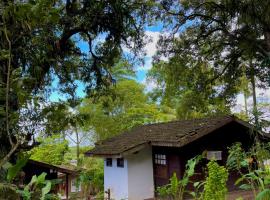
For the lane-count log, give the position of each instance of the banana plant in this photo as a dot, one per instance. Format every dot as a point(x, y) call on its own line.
point(176, 189)
point(261, 178)
point(37, 184)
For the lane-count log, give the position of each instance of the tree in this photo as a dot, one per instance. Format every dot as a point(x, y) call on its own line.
point(227, 34)
point(124, 106)
point(63, 118)
point(183, 84)
point(239, 27)
point(40, 41)
point(51, 150)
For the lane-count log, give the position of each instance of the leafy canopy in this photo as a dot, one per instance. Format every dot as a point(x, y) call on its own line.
point(51, 150)
point(124, 106)
point(40, 43)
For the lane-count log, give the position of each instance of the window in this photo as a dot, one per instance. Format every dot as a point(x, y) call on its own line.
point(120, 162)
point(160, 159)
point(214, 155)
point(266, 163)
point(75, 186)
point(108, 162)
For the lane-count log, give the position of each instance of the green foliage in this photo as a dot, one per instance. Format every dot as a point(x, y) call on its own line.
point(171, 190)
point(121, 108)
point(263, 195)
point(237, 158)
point(215, 185)
point(183, 85)
point(51, 150)
point(92, 179)
point(52, 197)
point(37, 189)
point(40, 48)
point(15, 169)
point(209, 30)
point(256, 178)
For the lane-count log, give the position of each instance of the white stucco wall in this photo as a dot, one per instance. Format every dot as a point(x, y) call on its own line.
point(140, 175)
point(133, 182)
point(116, 179)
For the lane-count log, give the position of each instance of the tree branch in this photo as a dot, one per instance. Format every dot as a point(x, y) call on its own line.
point(6, 158)
point(8, 86)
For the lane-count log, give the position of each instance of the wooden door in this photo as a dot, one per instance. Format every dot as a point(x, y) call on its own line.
point(160, 170)
point(174, 166)
point(164, 167)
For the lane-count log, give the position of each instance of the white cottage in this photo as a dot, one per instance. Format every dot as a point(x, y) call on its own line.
point(140, 160)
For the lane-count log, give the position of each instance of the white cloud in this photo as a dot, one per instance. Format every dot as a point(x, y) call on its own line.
point(150, 84)
point(147, 64)
point(263, 96)
point(151, 46)
point(150, 49)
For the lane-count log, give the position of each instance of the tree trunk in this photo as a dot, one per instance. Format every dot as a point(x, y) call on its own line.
point(253, 84)
point(7, 104)
point(10, 153)
point(267, 38)
point(245, 99)
point(77, 145)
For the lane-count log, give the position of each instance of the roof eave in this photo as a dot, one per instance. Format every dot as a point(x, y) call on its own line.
point(125, 153)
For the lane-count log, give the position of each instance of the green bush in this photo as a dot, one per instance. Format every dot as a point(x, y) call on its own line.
point(215, 185)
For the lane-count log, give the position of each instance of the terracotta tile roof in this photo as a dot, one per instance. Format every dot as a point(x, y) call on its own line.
point(174, 134)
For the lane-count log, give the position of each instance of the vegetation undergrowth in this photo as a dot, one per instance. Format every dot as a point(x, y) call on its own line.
point(215, 184)
point(252, 167)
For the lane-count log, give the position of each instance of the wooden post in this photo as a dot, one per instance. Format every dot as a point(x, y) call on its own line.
point(67, 186)
point(108, 192)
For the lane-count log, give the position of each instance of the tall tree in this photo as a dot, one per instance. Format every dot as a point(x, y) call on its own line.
point(239, 27)
point(182, 83)
point(226, 33)
point(63, 118)
point(51, 150)
point(123, 107)
point(40, 41)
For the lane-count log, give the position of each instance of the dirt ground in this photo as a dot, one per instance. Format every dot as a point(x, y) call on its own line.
point(246, 195)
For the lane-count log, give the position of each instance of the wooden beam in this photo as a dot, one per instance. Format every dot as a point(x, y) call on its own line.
point(67, 186)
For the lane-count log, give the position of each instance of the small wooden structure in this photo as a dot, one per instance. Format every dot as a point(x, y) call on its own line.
point(53, 172)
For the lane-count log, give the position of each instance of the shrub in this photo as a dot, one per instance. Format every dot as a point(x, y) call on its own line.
point(215, 185)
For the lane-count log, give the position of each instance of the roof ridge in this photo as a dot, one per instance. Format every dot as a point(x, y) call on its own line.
point(188, 120)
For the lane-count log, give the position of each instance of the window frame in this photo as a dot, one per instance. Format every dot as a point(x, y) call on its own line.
point(120, 162)
point(160, 159)
point(109, 162)
point(214, 155)
point(74, 187)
